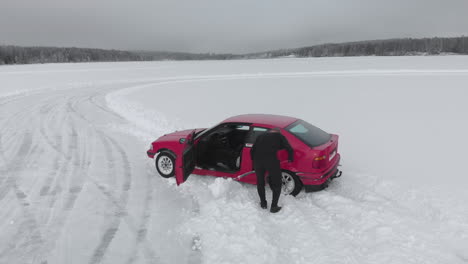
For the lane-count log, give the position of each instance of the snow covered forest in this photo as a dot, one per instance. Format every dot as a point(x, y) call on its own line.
point(31, 55)
point(390, 47)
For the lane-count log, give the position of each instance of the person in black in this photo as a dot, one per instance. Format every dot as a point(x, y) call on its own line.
point(264, 157)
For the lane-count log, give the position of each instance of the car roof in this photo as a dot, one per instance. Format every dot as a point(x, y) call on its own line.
point(273, 120)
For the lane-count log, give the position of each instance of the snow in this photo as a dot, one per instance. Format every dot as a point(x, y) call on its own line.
point(76, 186)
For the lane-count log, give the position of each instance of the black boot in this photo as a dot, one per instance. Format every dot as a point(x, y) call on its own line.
point(275, 209)
point(263, 204)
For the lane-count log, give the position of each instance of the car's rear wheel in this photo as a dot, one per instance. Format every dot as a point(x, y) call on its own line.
point(165, 164)
point(292, 185)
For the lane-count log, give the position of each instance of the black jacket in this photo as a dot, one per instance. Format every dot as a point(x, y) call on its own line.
point(267, 145)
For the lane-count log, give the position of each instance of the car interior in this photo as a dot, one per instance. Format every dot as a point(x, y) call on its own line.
point(221, 148)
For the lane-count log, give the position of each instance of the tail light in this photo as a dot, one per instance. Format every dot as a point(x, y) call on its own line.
point(319, 162)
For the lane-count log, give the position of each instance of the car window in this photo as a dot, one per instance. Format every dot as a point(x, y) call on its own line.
point(299, 128)
point(242, 127)
point(259, 129)
point(254, 133)
point(309, 134)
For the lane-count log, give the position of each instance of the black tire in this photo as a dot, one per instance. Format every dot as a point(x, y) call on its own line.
point(165, 164)
point(295, 184)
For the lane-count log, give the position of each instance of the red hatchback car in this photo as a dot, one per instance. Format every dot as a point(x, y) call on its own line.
point(224, 151)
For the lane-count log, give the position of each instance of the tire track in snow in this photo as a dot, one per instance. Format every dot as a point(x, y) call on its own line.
point(71, 107)
point(65, 165)
point(142, 230)
point(10, 127)
point(45, 126)
point(121, 202)
point(61, 160)
point(75, 161)
point(28, 237)
point(9, 99)
point(3, 162)
point(110, 232)
point(92, 99)
point(2, 156)
point(15, 165)
point(119, 205)
point(61, 118)
point(77, 179)
point(72, 167)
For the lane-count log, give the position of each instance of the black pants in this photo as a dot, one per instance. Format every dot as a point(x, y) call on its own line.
point(274, 178)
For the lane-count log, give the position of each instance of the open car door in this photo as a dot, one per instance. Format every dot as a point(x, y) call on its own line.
point(185, 163)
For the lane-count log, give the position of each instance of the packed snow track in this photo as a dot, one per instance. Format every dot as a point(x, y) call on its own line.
point(72, 190)
point(76, 186)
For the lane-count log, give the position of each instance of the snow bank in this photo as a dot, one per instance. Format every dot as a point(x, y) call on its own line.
point(145, 123)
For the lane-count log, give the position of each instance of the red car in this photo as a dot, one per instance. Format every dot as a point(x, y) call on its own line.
point(224, 151)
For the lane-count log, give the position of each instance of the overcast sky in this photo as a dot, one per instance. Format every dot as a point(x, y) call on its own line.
point(236, 26)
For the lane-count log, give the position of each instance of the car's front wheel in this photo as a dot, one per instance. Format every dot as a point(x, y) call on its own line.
point(165, 164)
point(292, 185)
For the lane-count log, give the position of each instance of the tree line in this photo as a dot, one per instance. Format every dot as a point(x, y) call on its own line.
point(390, 47)
point(29, 55)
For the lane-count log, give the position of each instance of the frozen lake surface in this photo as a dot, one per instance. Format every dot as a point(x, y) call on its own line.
point(76, 185)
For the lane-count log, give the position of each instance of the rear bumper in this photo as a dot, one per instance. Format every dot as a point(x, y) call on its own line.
point(315, 188)
point(315, 179)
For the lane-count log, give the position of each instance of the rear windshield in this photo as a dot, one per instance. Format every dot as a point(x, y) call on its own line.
point(309, 134)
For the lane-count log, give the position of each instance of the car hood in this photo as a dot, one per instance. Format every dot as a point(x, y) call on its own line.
point(178, 134)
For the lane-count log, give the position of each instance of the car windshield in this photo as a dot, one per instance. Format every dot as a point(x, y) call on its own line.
point(234, 126)
point(199, 132)
point(309, 134)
